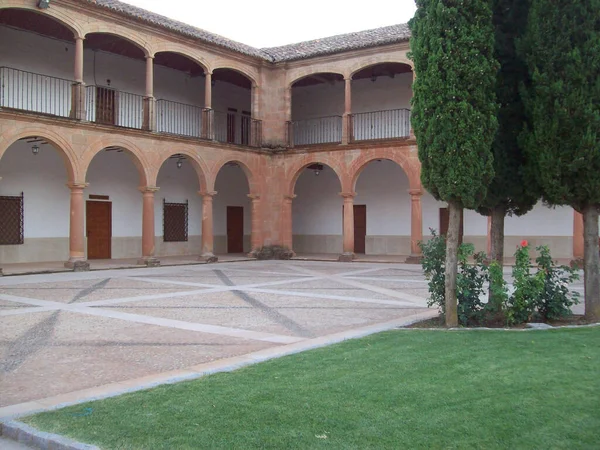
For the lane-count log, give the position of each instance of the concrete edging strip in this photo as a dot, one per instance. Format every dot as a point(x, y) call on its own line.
point(30, 436)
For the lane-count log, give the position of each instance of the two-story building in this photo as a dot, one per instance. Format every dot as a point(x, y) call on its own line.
point(126, 134)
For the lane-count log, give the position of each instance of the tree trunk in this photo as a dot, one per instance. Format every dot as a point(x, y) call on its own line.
point(454, 210)
point(591, 263)
point(497, 250)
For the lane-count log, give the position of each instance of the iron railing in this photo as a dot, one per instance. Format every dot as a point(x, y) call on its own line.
point(390, 124)
point(35, 92)
point(321, 130)
point(178, 118)
point(234, 128)
point(108, 106)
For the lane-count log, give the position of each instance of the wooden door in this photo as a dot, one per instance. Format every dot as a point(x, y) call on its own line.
point(231, 112)
point(235, 229)
point(360, 228)
point(98, 219)
point(105, 105)
point(445, 222)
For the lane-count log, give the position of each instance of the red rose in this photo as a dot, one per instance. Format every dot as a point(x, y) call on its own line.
point(524, 243)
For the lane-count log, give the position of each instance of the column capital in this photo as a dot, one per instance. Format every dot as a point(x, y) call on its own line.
point(208, 72)
point(207, 194)
point(348, 79)
point(149, 56)
point(348, 196)
point(415, 192)
point(148, 189)
point(254, 197)
point(75, 186)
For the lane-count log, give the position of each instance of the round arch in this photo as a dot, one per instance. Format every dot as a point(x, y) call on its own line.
point(365, 64)
point(197, 163)
point(101, 28)
point(236, 68)
point(400, 158)
point(136, 155)
point(167, 47)
point(313, 71)
point(53, 13)
point(294, 172)
point(58, 142)
point(250, 175)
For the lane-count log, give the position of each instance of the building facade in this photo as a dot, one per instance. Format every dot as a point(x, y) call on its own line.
point(125, 134)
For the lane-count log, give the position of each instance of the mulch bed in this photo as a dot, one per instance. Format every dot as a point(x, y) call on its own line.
point(437, 322)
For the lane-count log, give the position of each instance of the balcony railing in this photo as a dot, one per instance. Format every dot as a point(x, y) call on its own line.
point(179, 118)
point(234, 128)
point(111, 107)
point(35, 92)
point(390, 124)
point(321, 130)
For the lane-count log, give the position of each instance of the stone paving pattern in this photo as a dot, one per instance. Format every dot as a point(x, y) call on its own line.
point(67, 332)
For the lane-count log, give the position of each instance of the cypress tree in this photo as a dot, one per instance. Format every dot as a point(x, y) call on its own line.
point(454, 111)
point(511, 192)
point(562, 50)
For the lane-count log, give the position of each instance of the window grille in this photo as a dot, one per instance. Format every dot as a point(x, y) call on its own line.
point(11, 220)
point(175, 221)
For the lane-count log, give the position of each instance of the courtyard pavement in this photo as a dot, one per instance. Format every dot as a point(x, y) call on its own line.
point(65, 337)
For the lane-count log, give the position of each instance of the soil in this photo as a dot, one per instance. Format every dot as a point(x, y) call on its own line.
point(437, 322)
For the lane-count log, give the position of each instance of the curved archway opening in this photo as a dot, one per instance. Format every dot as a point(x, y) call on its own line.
point(232, 210)
point(179, 88)
point(34, 202)
point(113, 207)
point(317, 211)
point(317, 109)
point(381, 96)
point(232, 104)
point(178, 207)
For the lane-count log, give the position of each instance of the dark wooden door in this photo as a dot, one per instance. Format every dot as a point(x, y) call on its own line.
point(360, 228)
point(98, 219)
point(445, 222)
point(106, 106)
point(235, 229)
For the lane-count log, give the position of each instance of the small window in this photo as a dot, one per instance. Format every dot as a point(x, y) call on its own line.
point(11, 220)
point(175, 222)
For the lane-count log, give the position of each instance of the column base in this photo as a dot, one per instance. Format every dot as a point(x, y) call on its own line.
point(150, 261)
point(78, 265)
point(414, 259)
point(253, 254)
point(208, 258)
point(347, 257)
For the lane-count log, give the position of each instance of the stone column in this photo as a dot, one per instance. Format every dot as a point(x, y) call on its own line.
point(207, 254)
point(255, 241)
point(77, 260)
point(347, 117)
point(207, 114)
point(412, 131)
point(148, 258)
point(286, 222)
point(78, 90)
point(578, 245)
point(149, 101)
point(208, 90)
point(348, 227)
point(416, 226)
point(288, 117)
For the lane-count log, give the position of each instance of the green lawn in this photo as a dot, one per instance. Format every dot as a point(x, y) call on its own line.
point(400, 389)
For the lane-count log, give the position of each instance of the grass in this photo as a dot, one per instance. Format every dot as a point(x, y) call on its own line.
point(400, 389)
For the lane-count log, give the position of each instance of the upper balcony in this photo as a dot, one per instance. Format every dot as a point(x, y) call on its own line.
point(110, 80)
point(371, 104)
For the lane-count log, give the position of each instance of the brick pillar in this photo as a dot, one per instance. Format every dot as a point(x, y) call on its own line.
point(78, 88)
point(577, 235)
point(348, 227)
point(207, 254)
point(286, 222)
point(77, 260)
point(416, 226)
point(149, 101)
point(255, 237)
point(148, 258)
point(347, 117)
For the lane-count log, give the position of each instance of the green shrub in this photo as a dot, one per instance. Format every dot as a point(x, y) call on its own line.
point(498, 293)
point(527, 288)
point(433, 263)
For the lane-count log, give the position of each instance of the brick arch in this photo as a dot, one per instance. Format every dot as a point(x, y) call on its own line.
point(293, 173)
point(182, 50)
point(410, 166)
point(197, 163)
point(231, 65)
point(63, 147)
point(134, 152)
point(251, 175)
point(293, 77)
point(115, 30)
point(55, 13)
point(366, 63)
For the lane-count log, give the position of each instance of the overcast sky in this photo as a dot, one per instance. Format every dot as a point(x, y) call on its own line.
point(269, 23)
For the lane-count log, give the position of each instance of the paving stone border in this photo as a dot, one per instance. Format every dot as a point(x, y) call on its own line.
point(26, 435)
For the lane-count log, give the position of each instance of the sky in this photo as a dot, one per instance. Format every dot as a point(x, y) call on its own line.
point(269, 23)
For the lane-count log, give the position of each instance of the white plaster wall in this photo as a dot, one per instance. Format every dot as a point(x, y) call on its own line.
point(232, 190)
